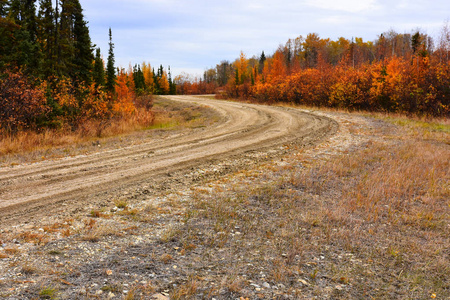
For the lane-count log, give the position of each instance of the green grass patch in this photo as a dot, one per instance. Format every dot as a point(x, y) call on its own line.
point(48, 293)
point(411, 123)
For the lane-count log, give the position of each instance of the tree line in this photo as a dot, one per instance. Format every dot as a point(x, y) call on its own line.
point(53, 76)
point(408, 73)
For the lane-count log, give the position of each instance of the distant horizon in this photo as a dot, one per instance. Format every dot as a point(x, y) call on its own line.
point(192, 36)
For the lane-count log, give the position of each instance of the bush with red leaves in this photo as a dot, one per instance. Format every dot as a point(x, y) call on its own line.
point(21, 103)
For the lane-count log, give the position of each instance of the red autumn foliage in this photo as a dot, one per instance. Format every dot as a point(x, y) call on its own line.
point(21, 103)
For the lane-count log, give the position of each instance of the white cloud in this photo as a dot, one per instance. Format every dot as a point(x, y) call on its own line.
point(194, 34)
point(352, 6)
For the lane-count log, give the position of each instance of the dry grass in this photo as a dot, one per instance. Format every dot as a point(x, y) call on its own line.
point(27, 141)
point(170, 233)
point(94, 231)
point(121, 204)
point(372, 222)
point(170, 115)
point(140, 292)
point(29, 269)
point(185, 291)
point(166, 258)
point(12, 251)
point(43, 144)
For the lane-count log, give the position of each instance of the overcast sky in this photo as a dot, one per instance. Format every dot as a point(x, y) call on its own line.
point(193, 35)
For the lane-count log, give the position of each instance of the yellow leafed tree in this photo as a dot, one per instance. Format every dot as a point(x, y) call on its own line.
point(164, 84)
point(241, 66)
point(125, 95)
point(148, 76)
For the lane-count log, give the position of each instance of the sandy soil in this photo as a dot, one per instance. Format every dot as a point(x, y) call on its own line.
point(62, 186)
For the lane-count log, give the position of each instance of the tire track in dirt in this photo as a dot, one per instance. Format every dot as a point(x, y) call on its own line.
point(28, 189)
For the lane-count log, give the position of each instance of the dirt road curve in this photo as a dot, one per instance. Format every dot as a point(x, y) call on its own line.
point(34, 189)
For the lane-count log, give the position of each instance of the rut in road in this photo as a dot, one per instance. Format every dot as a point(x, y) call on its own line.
point(241, 128)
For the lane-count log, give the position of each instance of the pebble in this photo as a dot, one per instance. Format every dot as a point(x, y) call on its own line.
point(302, 281)
point(159, 297)
point(266, 285)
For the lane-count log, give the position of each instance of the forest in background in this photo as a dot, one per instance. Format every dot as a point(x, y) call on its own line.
point(53, 77)
point(404, 73)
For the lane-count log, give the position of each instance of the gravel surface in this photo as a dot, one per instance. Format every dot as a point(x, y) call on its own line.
point(108, 226)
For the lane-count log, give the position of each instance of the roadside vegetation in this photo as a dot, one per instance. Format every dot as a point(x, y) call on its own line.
point(368, 222)
point(397, 73)
point(55, 91)
point(31, 146)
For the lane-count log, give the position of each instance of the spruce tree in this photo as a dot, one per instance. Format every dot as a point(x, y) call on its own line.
point(46, 32)
point(262, 60)
point(139, 80)
point(65, 43)
point(172, 86)
point(25, 51)
point(3, 8)
point(98, 74)
point(156, 86)
point(415, 42)
point(110, 70)
point(7, 32)
point(83, 56)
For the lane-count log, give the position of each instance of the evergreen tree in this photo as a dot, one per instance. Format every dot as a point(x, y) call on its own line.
point(3, 8)
point(172, 85)
point(262, 60)
point(25, 51)
point(98, 74)
point(57, 50)
point(7, 31)
point(46, 32)
point(65, 44)
point(415, 42)
point(156, 85)
point(110, 70)
point(139, 80)
point(83, 56)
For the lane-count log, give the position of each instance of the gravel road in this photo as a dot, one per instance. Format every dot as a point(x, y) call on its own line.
point(35, 190)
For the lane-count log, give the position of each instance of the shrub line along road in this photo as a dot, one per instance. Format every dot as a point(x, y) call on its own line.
point(35, 189)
